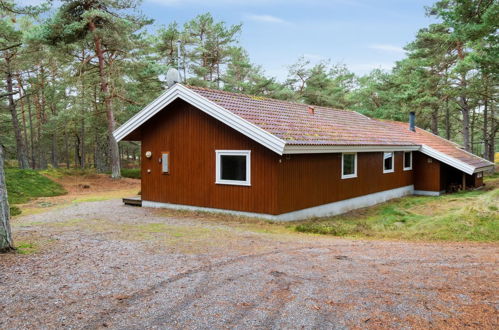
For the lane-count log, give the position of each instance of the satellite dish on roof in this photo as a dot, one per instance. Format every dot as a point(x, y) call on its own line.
point(172, 77)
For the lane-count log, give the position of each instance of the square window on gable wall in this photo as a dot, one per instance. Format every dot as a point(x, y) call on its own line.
point(233, 167)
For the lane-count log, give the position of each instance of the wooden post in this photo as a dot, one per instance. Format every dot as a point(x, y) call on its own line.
point(464, 181)
point(6, 243)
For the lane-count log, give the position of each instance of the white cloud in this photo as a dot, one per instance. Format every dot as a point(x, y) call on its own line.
point(266, 18)
point(387, 48)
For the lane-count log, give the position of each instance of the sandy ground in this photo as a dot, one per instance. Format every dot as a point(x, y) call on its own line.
point(101, 264)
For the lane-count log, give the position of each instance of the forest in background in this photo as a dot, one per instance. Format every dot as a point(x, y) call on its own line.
point(70, 73)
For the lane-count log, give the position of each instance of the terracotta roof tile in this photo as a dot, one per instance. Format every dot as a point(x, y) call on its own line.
point(293, 123)
point(438, 143)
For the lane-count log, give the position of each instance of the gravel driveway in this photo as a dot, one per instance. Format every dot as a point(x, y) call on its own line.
point(105, 265)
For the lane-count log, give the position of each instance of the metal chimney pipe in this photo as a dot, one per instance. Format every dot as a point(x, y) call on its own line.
point(412, 121)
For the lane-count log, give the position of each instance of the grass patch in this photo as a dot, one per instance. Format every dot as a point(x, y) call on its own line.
point(26, 248)
point(24, 185)
point(464, 216)
point(61, 172)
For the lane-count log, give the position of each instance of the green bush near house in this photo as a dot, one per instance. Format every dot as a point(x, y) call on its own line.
point(23, 185)
point(133, 173)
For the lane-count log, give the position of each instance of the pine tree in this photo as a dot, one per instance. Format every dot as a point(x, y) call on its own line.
point(110, 27)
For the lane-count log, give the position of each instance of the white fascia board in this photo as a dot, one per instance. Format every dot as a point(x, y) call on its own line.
point(230, 119)
point(315, 149)
point(444, 158)
point(491, 164)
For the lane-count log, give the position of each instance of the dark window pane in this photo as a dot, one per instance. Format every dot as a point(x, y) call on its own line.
point(233, 167)
point(407, 159)
point(348, 164)
point(388, 161)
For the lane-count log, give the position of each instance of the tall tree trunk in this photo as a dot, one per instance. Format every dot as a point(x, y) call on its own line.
point(77, 151)
point(39, 146)
point(472, 130)
point(31, 135)
point(466, 126)
point(463, 100)
point(447, 119)
point(53, 145)
point(493, 132)
point(6, 243)
point(43, 117)
point(22, 155)
point(82, 143)
point(82, 126)
point(66, 149)
point(113, 144)
point(485, 128)
point(434, 121)
point(22, 94)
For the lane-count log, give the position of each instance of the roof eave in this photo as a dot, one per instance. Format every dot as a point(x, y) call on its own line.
point(484, 168)
point(317, 149)
point(451, 161)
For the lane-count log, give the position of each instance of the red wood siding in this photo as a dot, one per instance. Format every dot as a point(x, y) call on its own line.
point(426, 174)
point(314, 179)
point(191, 137)
point(279, 184)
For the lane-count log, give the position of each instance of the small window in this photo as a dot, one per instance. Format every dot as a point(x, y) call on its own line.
point(479, 174)
point(407, 160)
point(165, 162)
point(388, 162)
point(233, 167)
point(348, 165)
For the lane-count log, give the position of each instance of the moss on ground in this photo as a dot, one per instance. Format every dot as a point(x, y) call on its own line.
point(24, 185)
point(464, 216)
point(26, 248)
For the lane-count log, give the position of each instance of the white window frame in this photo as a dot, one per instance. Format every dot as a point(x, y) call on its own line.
point(410, 166)
point(349, 176)
point(393, 162)
point(218, 167)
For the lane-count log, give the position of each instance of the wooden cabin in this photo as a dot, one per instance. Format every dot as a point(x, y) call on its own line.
point(217, 151)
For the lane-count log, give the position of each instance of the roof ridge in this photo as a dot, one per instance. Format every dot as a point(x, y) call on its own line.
point(265, 98)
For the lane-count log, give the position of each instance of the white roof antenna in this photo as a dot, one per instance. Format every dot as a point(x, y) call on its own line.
point(172, 77)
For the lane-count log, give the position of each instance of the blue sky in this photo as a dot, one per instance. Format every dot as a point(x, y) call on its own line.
point(363, 34)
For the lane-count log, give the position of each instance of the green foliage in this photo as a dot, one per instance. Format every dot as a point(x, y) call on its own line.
point(466, 216)
point(448, 76)
point(133, 173)
point(23, 185)
point(26, 248)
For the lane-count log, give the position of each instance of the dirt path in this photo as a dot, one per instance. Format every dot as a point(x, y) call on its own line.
point(102, 264)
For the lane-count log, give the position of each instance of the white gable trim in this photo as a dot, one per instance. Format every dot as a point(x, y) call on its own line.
point(230, 119)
